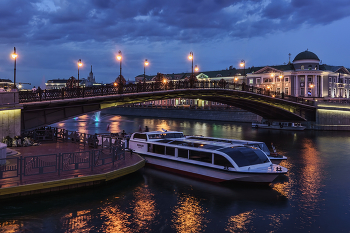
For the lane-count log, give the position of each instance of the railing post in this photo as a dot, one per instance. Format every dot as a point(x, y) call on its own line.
point(83, 91)
point(92, 160)
point(59, 164)
point(20, 169)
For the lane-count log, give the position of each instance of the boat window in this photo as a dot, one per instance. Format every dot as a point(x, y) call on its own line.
point(221, 161)
point(245, 156)
point(154, 136)
point(140, 136)
point(182, 153)
point(170, 151)
point(211, 147)
point(174, 135)
point(200, 156)
point(158, 149)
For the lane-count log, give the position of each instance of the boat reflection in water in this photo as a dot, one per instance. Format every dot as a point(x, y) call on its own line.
point(196, 198)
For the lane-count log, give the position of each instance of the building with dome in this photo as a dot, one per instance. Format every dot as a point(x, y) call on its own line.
point(304, 77)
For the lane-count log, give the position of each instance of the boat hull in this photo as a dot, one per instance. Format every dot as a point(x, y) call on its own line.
point(208, 173)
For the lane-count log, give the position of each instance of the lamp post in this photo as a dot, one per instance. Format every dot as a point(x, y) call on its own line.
point(242, 64)
point(196, 68)
point(144, 70)
point(79, 65)
point(282, 79)
point(191, 58)
point(119, 58)
point(14, 56)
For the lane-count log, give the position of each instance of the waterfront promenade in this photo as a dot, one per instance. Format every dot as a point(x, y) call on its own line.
point(57, 166)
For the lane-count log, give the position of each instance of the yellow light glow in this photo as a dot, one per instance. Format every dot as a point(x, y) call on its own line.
point(268, 87)
point(80, 64)
point(311, 85)
point(164, 80)
point(146, 63)
point(119, 57)
point(14, 55)
point(242, 64)
point(272, 75)
point(196, 68)
point(190, 57)
point(273, 96)
point(236, 79)
point(115, 84)
point(281, 76)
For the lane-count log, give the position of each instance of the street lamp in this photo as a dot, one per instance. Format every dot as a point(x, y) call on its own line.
point(242, 64)
point(119, 58)
point(282, 80)
point(196, 68)
point(191, 58)
point(79, 65)
point(14, 56)
point(144, 70)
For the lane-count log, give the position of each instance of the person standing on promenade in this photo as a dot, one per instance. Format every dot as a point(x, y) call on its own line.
point(146, 129)
point(140, 129)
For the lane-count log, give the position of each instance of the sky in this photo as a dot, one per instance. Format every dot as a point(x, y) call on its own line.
point(52, 35)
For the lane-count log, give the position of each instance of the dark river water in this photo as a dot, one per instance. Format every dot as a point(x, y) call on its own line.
point(314, 196)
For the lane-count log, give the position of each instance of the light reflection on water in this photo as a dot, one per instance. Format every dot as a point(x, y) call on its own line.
point(188, 215)
point(312, 196)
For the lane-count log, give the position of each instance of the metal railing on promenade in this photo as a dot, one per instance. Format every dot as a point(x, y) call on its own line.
point(68, 93)
point(109, 150)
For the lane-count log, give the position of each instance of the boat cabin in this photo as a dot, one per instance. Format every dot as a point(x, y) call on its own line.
point(212, 153)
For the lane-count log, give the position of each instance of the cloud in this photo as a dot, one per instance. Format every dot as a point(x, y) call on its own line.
point(35, 21)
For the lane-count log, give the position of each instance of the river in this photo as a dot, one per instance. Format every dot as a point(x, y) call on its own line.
point(314, 196)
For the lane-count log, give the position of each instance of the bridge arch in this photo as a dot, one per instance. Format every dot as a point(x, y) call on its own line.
point(36, 114)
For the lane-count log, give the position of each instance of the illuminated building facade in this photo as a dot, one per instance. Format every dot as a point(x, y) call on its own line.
point(304, 77)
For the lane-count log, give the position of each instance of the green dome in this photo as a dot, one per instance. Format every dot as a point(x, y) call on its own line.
point(306, 55)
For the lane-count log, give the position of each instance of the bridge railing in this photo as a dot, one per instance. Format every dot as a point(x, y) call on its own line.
point(68, 93)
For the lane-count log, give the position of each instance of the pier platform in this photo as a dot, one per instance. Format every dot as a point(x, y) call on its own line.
point(62, 171)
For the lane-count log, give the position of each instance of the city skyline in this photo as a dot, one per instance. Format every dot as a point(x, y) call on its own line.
point(51, 36)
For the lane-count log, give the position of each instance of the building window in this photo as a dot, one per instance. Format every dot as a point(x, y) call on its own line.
point(316, 67)
point(329, 92)
point(286, 91)
point(310, 67)
point(335, 80)
point(330, 80)
point(278, 90)
point(258, 81)
point(302, 91)
point(251, 81)
point(309, 79)
point(334, 93)
point(286, 79)
point(302, 67)
point(345, 81)
point(302, 79)
point(309, 92)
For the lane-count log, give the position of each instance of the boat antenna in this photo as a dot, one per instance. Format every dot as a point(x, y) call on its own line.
point(164, 130)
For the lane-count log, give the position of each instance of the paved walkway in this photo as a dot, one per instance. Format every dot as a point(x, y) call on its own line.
point(131, 163)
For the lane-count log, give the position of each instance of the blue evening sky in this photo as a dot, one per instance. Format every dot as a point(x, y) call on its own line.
point(51, 35)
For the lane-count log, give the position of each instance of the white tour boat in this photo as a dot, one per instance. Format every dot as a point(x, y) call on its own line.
point(278, 125)
point(273, 156)
point(210, 160)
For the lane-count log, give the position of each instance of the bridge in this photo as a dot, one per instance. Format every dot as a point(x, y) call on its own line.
point(45, 107)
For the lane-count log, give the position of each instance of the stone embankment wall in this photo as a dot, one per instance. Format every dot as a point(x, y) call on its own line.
point(10, 115)
point(235, 115)
point(332, 116)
